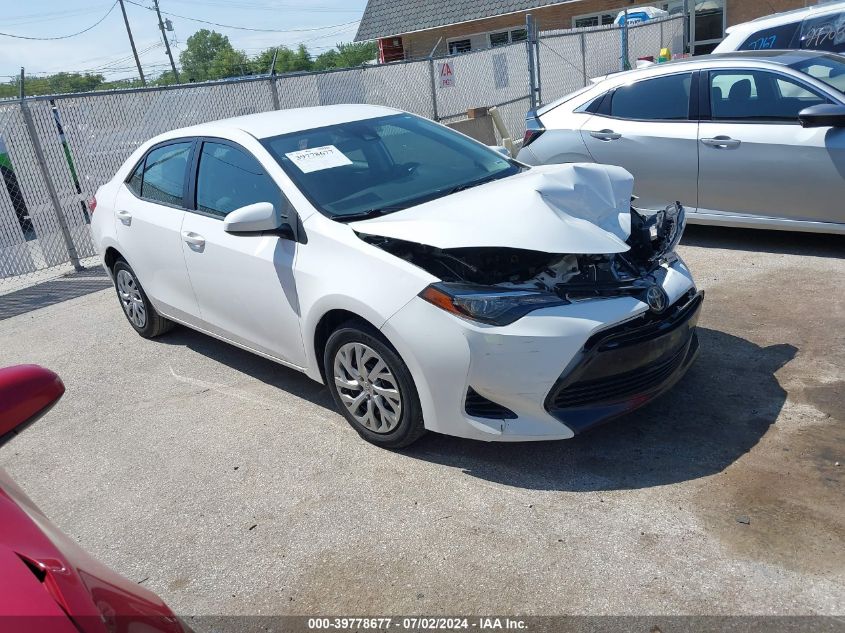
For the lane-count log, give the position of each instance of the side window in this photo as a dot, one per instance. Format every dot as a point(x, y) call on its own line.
point(659, 99)
point(758, 95)
point(229, 179)
point(777, 37)
point(164, 173)
point(134, 183)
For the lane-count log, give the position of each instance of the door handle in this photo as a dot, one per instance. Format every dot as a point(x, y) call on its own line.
point(195, 241)
point(125, 217)
point(606, 135)
point(722, 142)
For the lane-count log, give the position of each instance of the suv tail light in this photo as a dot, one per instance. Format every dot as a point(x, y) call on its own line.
point(533, 128)
point(92, 204)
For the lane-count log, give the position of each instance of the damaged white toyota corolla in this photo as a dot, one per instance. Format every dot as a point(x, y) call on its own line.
point(429, 281)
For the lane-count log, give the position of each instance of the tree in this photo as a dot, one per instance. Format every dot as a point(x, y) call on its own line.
point(356, 53)
point(210, 55)
point(347, 56)
point(287, 61)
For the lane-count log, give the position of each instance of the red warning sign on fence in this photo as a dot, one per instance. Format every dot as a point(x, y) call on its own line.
point(447, 75)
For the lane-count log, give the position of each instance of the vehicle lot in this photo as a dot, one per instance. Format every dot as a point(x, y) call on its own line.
point(229, 485)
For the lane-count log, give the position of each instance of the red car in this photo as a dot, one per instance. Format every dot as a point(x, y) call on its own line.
point(47, 583)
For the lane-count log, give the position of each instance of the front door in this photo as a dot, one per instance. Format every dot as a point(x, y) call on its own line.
point(244, 283)
point(646, 128)
point(755, 158)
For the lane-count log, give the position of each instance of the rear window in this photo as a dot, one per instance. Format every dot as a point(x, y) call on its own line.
point(775, 38)
point(659, 99)
point(824, 33)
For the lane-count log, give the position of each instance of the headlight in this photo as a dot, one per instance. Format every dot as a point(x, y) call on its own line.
point(488, 305)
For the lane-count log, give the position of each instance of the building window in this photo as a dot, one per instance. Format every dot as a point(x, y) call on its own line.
point(593, 19)
point(503, 38)
point(460, 46)
point(499, 39)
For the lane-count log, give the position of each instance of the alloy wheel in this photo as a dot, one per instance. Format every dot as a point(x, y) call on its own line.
point(130, 298)
point(367, 387)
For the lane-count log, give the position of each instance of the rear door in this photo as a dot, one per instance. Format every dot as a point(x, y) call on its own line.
point(244, 283)
point(149, 211)
point(755, 158)
point(650, 128)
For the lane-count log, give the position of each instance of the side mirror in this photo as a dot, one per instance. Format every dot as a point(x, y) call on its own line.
point(253, 218)
point(826, 115)
point(501, 149)
point(26, 393)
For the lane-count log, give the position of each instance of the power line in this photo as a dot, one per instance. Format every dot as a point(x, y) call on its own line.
point(64, 37)
point(245, 28)
point(20, 20)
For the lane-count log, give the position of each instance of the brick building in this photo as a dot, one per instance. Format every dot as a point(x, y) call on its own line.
point(407, 29)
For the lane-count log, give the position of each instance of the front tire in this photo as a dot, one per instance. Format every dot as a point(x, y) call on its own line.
point(372, 387)
point(140, 313)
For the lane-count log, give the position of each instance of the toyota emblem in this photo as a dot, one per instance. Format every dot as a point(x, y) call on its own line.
point(656, 299)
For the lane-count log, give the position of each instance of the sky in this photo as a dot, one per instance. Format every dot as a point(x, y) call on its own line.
point(319, 24)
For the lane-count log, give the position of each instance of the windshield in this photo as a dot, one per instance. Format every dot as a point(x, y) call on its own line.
point(366, 168)
point(829, 69)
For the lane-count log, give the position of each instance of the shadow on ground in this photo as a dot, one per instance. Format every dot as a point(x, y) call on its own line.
point(759, 241)
point(717, 413)
point(257, 367)
point(52, 292)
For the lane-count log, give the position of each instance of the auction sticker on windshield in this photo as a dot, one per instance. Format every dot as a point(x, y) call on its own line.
point(318, 158)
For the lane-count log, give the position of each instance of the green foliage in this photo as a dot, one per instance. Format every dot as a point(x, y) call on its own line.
point(208, 55)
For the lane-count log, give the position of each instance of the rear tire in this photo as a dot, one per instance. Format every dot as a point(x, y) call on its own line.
point(372, 387)
point(137, 309)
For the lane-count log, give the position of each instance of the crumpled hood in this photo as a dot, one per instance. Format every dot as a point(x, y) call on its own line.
point(578, 208)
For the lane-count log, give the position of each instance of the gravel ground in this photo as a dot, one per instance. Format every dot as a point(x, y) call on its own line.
point(229, 485)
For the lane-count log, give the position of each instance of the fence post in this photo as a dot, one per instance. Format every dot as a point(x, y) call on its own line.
point(51, 189)
point(529, 49)
point(434, 112)
point(274, 89)
point(584, 57)
point(537, 62)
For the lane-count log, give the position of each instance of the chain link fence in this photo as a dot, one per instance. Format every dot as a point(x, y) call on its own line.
point(568, 59)
point(55, 152)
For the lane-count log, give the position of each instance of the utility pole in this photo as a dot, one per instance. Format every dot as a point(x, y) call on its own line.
point(166, 43)
point(686, 27)
point(132, 44)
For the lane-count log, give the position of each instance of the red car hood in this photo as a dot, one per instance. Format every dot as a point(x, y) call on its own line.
point(44, 573)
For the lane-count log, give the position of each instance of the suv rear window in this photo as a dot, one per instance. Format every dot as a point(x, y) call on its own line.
point(823, 33)
point(775, 38)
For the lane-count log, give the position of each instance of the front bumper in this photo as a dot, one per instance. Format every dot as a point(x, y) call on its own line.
point(465, 372)
point(625, 367)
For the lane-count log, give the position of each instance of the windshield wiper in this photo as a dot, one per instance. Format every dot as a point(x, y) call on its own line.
point(474, 183)
point(366, 215)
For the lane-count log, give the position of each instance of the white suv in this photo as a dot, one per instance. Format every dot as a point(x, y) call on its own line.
point(429, 281)
point(815, 28)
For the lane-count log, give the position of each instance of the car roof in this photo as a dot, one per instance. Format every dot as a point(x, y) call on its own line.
point(779, 57)
point(786, 17)
point(275, 123)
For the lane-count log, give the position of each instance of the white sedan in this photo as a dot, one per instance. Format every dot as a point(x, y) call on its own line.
point(427, 280)
point(753, 139)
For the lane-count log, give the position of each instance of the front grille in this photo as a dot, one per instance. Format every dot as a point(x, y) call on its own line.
point(480, 407)
point(627, 364)
point(620, 386)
